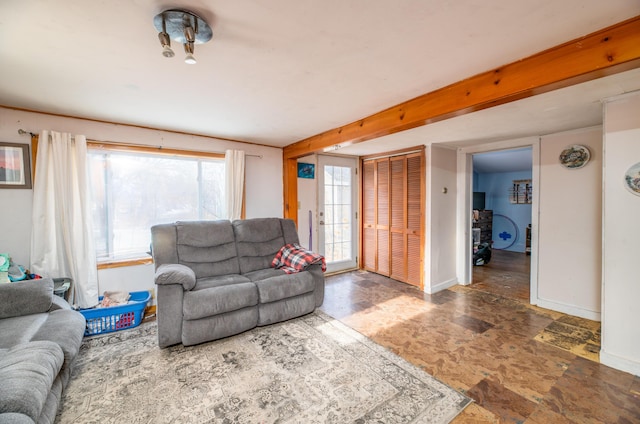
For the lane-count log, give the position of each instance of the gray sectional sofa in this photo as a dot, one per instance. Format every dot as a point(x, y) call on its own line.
point(214, 279)
point(39, 339)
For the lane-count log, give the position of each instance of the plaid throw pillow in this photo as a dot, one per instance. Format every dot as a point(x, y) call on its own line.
point(294, 258)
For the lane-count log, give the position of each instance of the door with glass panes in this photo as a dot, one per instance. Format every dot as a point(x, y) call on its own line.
point(337, 211)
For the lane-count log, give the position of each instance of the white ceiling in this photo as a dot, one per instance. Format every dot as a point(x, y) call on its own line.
point(278, 71)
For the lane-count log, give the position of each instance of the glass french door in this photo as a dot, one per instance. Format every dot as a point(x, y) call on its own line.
point(337, 211)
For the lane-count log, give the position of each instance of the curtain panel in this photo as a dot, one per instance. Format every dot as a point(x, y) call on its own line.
point(234, 183)
point(62, 232)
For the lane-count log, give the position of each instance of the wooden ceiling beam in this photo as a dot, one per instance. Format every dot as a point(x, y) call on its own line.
point(605, 52)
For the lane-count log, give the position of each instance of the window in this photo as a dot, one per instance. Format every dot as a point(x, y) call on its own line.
point(337, 211)
point(134, 190)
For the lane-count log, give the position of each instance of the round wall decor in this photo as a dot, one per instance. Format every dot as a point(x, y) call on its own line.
point(574, 157)
point(632, 179)
point(506, 230)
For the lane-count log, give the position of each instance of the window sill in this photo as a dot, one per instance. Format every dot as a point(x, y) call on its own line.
point(124, 262)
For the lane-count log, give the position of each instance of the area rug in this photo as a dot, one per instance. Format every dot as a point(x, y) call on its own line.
point(313, 369)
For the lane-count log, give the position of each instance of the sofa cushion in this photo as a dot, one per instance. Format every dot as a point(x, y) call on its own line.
point(66, 329)
point(27, 372)
point(289, 231)
point(20, 329)
point(221, 280)
point(14, 418)
point(258, 240)
point(263, 274)
point(285, 286)
point(207, 247)
point(218, 300)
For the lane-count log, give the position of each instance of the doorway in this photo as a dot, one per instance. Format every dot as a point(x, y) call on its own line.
point(501, 219)
point(337, 212)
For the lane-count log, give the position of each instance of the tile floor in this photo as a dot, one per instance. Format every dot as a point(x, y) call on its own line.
point(486, 344)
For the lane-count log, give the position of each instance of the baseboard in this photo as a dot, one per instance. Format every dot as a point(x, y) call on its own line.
point(568, 309)
point(619, 363)
point(440, 286)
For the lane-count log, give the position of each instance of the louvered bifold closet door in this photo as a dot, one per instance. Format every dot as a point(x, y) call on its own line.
point(382, 217)
point(369, 216)
point(415, 218)
point(392, 216)
point(398, 235)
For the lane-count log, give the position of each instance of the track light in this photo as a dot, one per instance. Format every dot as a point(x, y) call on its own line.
point(165, 42)
point(184, 27)
point(188, 49)
point(189, 36)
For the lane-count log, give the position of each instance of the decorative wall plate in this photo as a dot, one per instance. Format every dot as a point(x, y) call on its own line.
point(574, 157)
point(632, 179)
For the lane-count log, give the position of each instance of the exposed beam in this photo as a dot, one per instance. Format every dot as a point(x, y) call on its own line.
point(605, 52)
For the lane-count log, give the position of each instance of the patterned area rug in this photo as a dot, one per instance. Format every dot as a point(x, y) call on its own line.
point(312, 369)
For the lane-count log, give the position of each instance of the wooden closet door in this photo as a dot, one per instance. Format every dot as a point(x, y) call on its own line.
point(392, 217)
point(398, 218)
point(415, 218)
point(368, 216)
point(383, 263)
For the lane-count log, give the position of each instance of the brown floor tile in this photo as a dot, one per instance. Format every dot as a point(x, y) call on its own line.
point(507, 405)
point(594, 326)
point(544, 416)
point(587, 400)
point(635, 387)
point(443, 297)
point(473, 324)
point(576, 335)
point(474, 414)
point(513, 279)
point(582, 368)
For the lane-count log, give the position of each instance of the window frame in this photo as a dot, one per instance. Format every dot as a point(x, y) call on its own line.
point(159, 150)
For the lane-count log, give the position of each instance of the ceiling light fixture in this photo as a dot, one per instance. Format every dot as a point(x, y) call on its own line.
point(183, 26)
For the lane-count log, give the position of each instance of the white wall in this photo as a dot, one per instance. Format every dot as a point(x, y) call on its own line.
point(621, 230)
point(263, 182)
point(440, 228)
point(569, 273)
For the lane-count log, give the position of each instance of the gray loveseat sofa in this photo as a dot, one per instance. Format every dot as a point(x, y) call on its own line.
point(39, 339)
point(214, 279)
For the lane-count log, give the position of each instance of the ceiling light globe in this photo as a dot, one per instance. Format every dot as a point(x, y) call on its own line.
point(189, 59)
point(167, 52)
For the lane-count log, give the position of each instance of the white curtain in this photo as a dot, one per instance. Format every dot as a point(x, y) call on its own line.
point(234, 182)
point(62, 242)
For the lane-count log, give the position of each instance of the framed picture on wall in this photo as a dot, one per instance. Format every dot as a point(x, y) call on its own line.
point(306, 170)
point(632, 179)
point(15, 170)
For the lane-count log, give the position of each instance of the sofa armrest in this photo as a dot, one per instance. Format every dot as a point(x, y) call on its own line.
point(58, 303)
point(318, 277)
point(25, 297)
point(175, 274)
